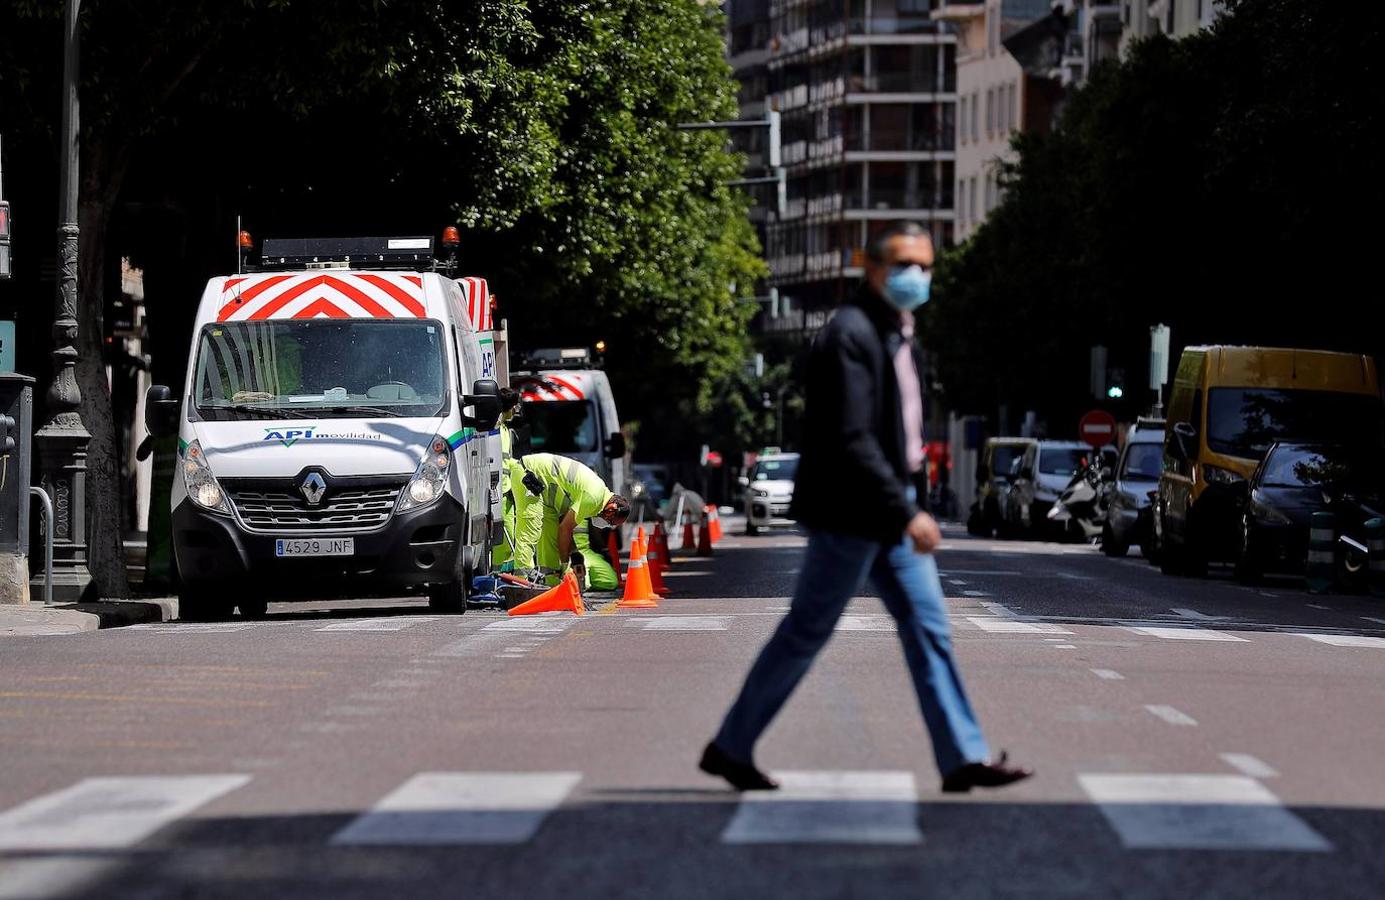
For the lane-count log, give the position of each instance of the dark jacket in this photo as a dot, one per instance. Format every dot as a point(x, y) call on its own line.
point(853, 477)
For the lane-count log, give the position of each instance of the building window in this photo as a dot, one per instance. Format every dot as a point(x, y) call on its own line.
point(971, 199)
point(1014, 106)
point(990, 112)
point(962, 117)
point(975, 104)
point(962, 200)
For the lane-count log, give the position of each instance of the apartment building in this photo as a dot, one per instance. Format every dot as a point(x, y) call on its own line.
point(991, 94)
point(867, 91)
point(1175, 18)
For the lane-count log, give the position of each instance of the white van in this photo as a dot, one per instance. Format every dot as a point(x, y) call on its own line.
point(569, 410)
point(332, 432)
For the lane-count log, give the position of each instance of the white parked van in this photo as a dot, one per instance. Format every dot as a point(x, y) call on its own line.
point(569, 410)
point(332, 432)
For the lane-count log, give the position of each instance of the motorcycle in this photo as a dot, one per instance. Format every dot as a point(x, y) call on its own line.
point(1081, 508)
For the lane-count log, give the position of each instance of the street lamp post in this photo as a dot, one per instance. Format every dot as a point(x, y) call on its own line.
point(62, 441)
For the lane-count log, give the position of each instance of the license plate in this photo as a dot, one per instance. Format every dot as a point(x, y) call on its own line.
point(314, 547)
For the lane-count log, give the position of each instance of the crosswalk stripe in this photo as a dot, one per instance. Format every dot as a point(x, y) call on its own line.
point(1185, 634)
point(109, 813)
point(866, 623)
point(1010, 626)
point(391, 624)
point(878, 807)
point(450, 808)
point(1344, 640)
point(1198, 812)
point(679, 623)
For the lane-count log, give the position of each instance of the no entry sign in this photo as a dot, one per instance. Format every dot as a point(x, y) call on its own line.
point(1097, 428)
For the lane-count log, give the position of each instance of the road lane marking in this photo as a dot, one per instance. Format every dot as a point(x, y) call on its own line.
point(450, 808)
point(679, 623)
point(1064, 646)
point(981, 572)
point(502, 633)
point(1376, 621)
point(109, 813)
point(1196, 616)
point(1198, 812)
point(1318, 606)
point(1250, 765)
point(1185, 634)
point(187, 627)
point(1008, 626)
point(957, 581)
point(1108, 674)
point(975, 594)
point(999, 609)
point(872, 807)
point(378, 624)
point(1343, 640)
point(866, 623)
point(1170, 715)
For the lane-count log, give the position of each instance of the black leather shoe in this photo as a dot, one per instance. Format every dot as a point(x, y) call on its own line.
point(986, 774)
point(742, 776)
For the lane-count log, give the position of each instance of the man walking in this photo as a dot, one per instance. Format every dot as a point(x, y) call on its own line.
point(855, 495)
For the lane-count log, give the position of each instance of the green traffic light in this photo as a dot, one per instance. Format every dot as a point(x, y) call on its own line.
point(1115, 392)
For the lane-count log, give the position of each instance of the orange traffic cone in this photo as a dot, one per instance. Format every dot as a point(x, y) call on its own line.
point(566, 597)
point(689, 539)
point(704, 538)
point(715, 523)
point(655, 565)
point(613, 551)
point(639, 591)
point(660, 541)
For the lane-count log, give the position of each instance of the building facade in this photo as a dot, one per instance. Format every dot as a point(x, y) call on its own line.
point(867, 94)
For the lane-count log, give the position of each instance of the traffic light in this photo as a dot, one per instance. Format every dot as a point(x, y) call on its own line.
point(5, 270)
point(1115, 392)
point(9, 436)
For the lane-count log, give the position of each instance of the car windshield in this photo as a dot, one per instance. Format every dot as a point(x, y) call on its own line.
point(1003, 456)
point(1144, 461)
point(561, 426)
point(320, 368)
point(1244, 422)
point(775, 470)
point(1322, 467)
point(1062, 460)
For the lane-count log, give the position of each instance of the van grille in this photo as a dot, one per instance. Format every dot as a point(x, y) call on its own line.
point(283, 508)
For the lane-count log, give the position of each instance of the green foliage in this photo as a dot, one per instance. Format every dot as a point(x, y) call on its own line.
point(1204, 183)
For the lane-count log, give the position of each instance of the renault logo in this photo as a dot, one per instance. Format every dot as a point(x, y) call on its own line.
point(312, 488)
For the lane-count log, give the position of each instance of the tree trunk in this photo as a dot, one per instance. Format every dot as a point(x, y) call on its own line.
point(105, 471)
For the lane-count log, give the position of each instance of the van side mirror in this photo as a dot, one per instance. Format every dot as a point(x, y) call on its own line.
point(160, 411)
point(1183, 446)
point(615, 445)
point(484, 401)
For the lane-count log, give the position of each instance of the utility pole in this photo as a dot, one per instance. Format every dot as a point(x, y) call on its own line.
point(62, 441)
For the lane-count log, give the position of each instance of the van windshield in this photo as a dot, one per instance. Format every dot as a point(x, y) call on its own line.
point(1244, 422)
point(1062, 460)
point(320, 368)
point(785, 469)
point(1002, 457)
point(561, 426)
point(1144, 462)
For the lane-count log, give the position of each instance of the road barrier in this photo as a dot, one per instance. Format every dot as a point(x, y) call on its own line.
point(1322, 558)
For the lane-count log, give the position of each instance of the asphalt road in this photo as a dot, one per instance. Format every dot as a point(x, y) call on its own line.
point(1193, 738)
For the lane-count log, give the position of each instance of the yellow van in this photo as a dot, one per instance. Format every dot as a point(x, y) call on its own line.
point(1228, 405)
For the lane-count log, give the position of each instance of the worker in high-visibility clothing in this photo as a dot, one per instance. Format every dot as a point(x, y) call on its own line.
point(572, 497)
point(521, 512)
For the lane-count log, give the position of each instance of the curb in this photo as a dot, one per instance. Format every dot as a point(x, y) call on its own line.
point(76, 618)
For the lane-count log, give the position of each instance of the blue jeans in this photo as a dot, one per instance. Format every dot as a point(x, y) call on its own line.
point(833, 570)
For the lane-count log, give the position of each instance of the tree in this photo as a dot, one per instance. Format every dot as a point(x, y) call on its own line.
point(1183, 185)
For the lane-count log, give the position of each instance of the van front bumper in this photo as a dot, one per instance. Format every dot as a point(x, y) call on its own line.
point(413, 550)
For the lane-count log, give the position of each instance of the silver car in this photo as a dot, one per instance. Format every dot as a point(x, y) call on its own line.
point(769, 491)
point(1135, 480)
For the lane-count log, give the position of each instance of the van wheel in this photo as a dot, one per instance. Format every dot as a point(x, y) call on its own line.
point(253, 609)
point(451, 597)
point(203, 604)
point(1109, 545)
point(751, 528)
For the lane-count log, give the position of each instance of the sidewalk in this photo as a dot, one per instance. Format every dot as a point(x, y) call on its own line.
point(73, 618)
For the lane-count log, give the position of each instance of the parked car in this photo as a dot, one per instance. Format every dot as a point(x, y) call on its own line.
point(1227, 407)
point(998, 457)
point(1134, 483)
point(1294, 481)
point(1043, 472)
point(769, 491)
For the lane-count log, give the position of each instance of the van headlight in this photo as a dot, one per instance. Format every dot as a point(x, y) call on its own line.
point(1218, 475)
point(201, 484)
point(430, 478)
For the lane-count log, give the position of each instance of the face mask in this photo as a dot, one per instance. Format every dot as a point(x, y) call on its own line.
point(907, 287)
